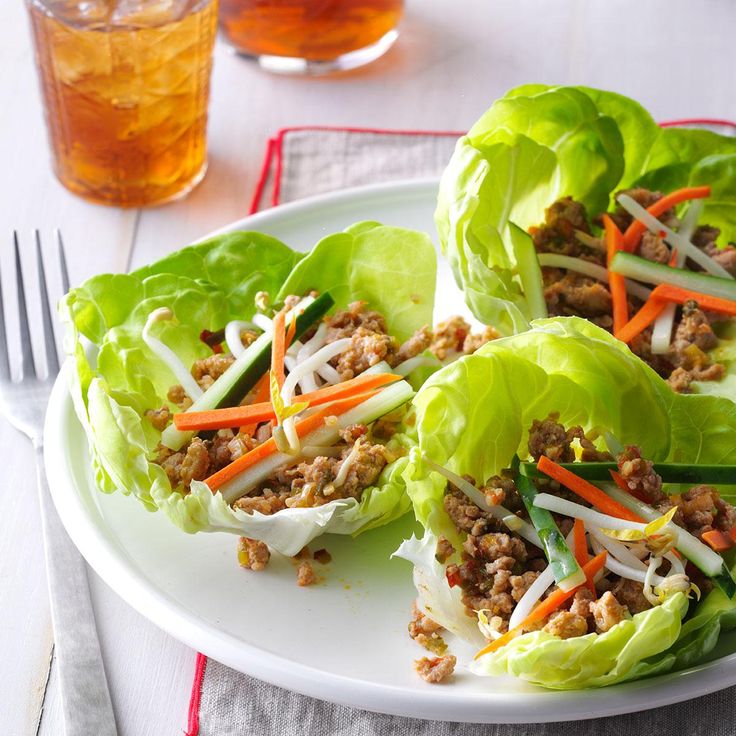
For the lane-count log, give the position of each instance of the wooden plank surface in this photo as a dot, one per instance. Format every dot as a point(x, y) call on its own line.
point(452, 59)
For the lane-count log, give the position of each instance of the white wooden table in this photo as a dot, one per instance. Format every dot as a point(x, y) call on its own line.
point(452, 60)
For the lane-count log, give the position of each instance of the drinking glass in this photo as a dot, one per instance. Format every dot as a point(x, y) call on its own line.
point(125, 85)
point(311, 36)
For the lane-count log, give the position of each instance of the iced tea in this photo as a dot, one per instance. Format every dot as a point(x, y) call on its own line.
point(126, 86)
point(310, 30)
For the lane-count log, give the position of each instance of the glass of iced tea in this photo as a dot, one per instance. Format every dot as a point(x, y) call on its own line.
point(311, 36)
point(126, 86)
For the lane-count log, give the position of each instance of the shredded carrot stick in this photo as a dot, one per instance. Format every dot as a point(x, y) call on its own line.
point(238, 416)
point(594, 496)
point(235, 416)
point(709, 303)
point(718, 540)
point(549, 605)
point(278, 347)
point(633, 233)
point(655, 305)
point(261, 394)
point(616, 282)
point(624, 486)
point(291, 331)
point(262, 451)
point(652, 308)
point(580, 544)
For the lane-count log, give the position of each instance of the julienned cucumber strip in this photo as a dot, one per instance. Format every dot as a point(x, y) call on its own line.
point(669, 472)
point(568, 574)
point(244, 373)
point(529, 271)
point(387, 400)
point(641, 269)
point(702, 556)
point(725, 582)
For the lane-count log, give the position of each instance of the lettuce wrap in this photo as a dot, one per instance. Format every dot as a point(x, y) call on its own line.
point(474, 416)
point(116, 377)
point(541, 143)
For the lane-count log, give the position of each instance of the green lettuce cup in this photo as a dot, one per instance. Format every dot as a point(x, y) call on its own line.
point(116, 377)
point(540, 144)
point(474, 417)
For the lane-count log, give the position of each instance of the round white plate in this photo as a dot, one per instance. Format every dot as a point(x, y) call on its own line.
point(343, 640)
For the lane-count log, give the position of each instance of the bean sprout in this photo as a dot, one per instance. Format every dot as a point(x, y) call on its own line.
point(593, 270)
point(260, 320)
point(232, 335)
point(662, 330)
point(167, 355)
point(525, 530)
point(678, 242)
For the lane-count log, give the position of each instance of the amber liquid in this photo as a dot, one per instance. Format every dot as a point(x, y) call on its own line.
point(126, 98)
point(315, 30)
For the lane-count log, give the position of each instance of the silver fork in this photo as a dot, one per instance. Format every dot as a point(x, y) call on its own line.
point(85, 697)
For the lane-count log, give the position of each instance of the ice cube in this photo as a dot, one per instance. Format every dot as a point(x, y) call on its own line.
point(152, 13)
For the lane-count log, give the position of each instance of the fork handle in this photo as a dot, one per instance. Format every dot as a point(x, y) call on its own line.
point(85, 697)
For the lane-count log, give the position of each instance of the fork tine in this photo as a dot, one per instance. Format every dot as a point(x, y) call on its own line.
point(4, 363)
point(27, 366)
point(62, 262)
point(52, 357)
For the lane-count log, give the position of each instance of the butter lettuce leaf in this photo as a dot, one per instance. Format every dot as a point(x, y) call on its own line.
point(539, 143)
point(474, 415)
point(480, 191)
point(389, 266)
point(525, 152)
point(593, 660)
point(116, 377)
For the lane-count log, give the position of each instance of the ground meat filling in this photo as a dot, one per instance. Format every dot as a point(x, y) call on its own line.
point(573, 294)
point(324, 479)
point(705, 238)
point(253, 554)
point(607, 612)
point(323, 557)
point(426, 632)
point(693, 337)
point(159, 418)
point(551, 439)
point(566, 625)
point(178, 396)
point(497, 567)
point(207, 370)
point(305, 575)
point(444, 550)
point(370, 342)
point(197, 460)
point(566, 231)
point(564, 221)
point(639, 475)
point(455, 337)
point(435, 669)
point(703, 510)
point(356, 462)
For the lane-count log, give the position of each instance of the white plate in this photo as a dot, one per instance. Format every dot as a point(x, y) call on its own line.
point(343, 640)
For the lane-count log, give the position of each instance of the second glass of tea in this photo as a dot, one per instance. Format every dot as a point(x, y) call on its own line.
point(126, 85)
point(311, 36)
